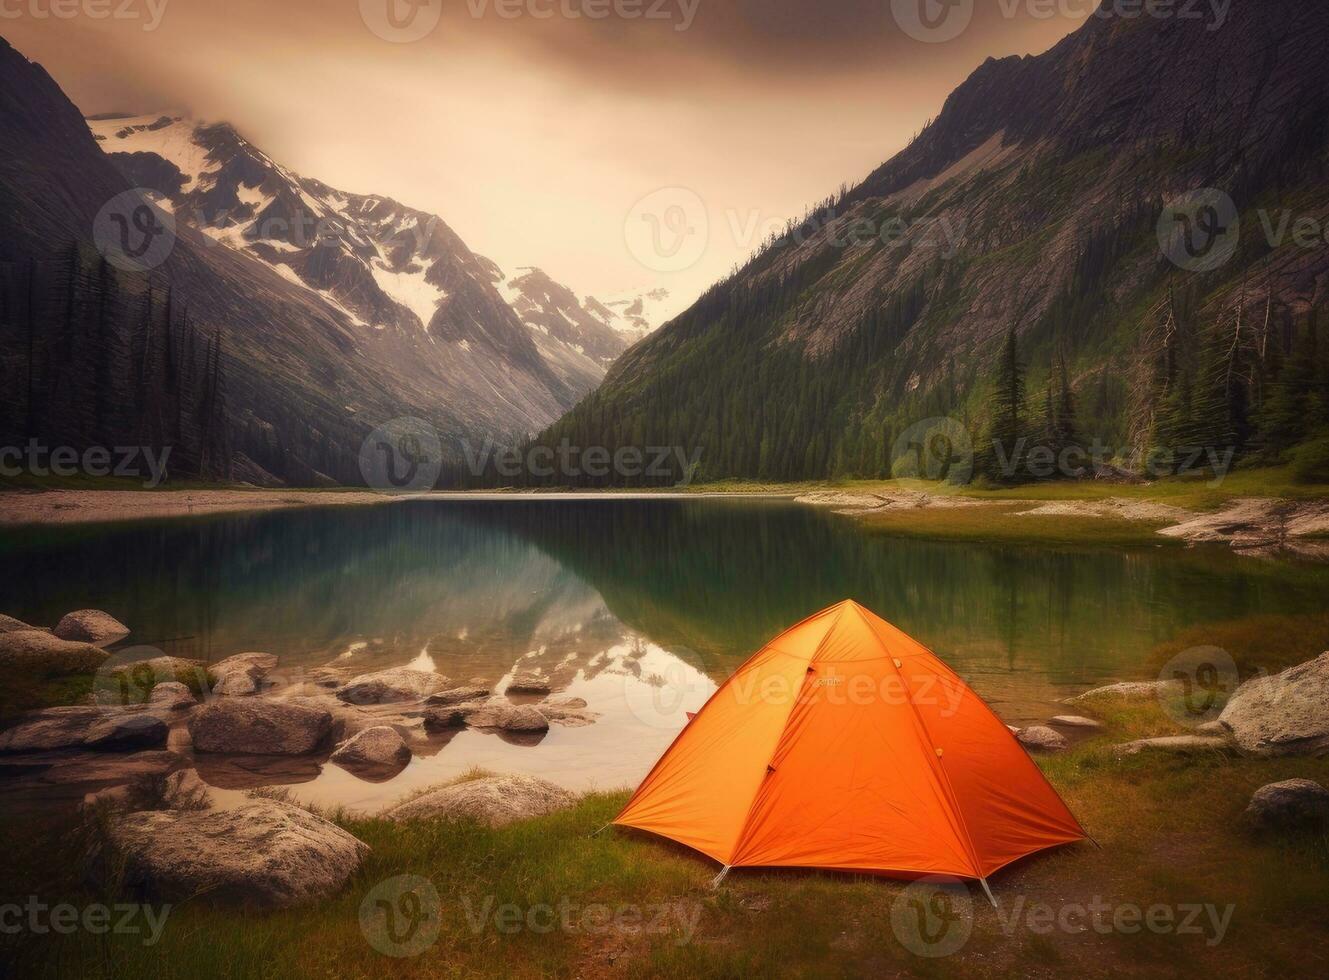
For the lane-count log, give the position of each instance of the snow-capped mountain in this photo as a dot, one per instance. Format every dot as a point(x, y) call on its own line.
point(383, 265)
point(633, 314)
point(578, 345)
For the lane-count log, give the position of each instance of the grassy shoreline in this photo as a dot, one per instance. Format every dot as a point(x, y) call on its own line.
point(1170, 828)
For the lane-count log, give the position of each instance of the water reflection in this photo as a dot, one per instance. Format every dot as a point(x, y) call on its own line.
point(638, 607)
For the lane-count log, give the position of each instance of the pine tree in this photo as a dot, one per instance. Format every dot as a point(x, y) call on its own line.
point(1002, 451)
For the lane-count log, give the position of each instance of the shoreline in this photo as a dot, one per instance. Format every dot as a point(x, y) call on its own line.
point(1250, 524)
point(42, 508)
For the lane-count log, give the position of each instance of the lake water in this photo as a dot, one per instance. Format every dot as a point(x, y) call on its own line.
point(640, 607)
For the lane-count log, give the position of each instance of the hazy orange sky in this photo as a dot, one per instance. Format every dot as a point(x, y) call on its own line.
point(535, 136)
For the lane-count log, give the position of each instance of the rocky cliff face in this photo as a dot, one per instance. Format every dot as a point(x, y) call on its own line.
point(1031, 204)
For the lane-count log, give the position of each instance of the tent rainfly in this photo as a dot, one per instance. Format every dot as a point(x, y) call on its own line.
point(845, 744)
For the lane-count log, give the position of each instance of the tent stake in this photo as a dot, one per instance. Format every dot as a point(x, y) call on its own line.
point(984, 882)
point(715, 883)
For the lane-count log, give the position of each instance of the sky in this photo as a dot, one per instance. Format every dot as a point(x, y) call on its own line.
point(620, 145)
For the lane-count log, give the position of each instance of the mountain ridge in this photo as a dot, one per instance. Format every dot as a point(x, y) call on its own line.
point(1029, 205)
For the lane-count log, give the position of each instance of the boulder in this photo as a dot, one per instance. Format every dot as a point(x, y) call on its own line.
point(529, 682)
point(40, 652)
point(379, 752)
point(91, 626)
point(1042, 738)
point(569, 712)
point(1131, 689)
point(8, 624)
point(236, 684)
point(259, 726)
point(262, 853)
point(1286, 714)
point(507, 717)
point(51, 729)
point(392, 686)
point(131, 730)
point(492, 800)
point(1075, 721)
point(1176, 744)
point(1293, 804)
point(457, 695)
point(242, 674)
point(442, 719)
point(172, 696)
point(83, 727)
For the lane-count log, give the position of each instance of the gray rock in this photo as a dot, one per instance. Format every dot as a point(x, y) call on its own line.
point(1130, 689)
point(127, 731)
point(508, 717)
point(380, 752)
point(172, 696)
point(392, 686)
point(1286, 714)
point(52, 729)
point(236, 684)
point(40, 652)
point(457, 695)
point(185, 790)
point(263, 853)
point(1292, 804)
point(259, 726)
point(529, 682)
point(1042, 738)
point(1075, 721)
point(91, 626)
point(492, 800)
point(568, 712)
point(83, 727)
point(8, 624)
point(1176, 744)
point(242, 674)
point(442, 719)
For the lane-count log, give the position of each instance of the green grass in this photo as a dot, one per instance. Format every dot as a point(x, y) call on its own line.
point(1171, 832)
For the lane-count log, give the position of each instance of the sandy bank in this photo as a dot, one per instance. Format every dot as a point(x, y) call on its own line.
point(100, 506)
point(1249, 525)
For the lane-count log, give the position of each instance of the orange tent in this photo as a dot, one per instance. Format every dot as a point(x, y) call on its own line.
point(845, 744)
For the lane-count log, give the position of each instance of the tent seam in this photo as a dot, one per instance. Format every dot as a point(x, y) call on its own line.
point(784, 730)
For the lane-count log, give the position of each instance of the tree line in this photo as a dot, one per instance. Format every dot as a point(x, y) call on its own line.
point(93, 357)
